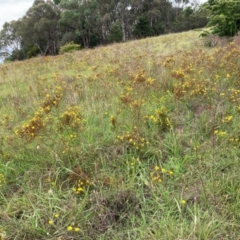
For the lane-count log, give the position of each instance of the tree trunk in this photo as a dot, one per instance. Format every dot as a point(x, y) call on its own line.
point(103, 34)
point(123, 30)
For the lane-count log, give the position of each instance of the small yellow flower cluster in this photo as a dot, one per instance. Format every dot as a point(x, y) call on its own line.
point(54, 219)
point(192, 87)
point(140, 76)
point(50, 181)
point(126, 98)
point(227, 119)
point(129, 89)
point(158, 173)
point(178, 74)
point(210, 58)
point(80, 185)
point(220, 133)
point(134, 162)
point(72, 117)
point(234, 139)
point(30, 130)
point(150, 81)
point(134, 88)
point(3, 234)
point(93, 78)
point(75, 229)
point(189, 68)
point(234, 95)
point(200, 89)
point(160, 117)
point(52, 100)
point(136, 103)
point(169, 62)
point(134, 139)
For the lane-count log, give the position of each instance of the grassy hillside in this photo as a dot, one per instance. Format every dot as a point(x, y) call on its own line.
point(130, 141)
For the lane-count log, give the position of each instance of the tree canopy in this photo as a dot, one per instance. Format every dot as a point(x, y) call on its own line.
point(224, 17)
point(49, 24)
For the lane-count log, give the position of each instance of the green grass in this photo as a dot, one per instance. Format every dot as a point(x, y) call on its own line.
point(138, 140)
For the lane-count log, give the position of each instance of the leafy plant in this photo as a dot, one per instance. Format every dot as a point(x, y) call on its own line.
point(69, 47)
point(224, 17)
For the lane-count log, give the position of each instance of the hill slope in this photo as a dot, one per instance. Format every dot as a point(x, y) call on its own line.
point(130, 141)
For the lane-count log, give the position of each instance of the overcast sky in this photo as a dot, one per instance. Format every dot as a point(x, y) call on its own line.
point(13, 9)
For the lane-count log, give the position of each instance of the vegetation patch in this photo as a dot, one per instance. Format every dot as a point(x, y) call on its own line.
point(130, 141)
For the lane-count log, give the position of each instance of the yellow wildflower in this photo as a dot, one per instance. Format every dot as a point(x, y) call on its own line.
point(183, 202)
point(163, 170)
point(69, 228)
point(156, 168)
point(50, 222)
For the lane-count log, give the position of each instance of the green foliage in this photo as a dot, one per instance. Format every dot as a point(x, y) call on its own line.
point(190, 19)
point(143, 28)
point(225, 17)
point(69, 47)
point(116, 33)
point(56, 1)
point(49, 24)
point(209, 39)
point(67, 38)
point(16, 55)
point(10, 39)
point(82, 18)
point(33, 51)
point(40, 26)
point(188, 11)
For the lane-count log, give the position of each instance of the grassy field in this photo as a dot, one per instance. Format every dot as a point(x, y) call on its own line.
point(138, 140)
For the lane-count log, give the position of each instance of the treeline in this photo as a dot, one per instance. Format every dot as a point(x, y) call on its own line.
point(48, 25)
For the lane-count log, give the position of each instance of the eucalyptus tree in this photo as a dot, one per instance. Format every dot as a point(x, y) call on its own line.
point(160, 15)
point(143, 28)
point(127, 13)
point(39, 27)
point(106, 20)
point(190, 18)
point(82, 17)
point(10, 40)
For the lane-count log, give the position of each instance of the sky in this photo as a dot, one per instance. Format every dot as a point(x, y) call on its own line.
point(13, 9)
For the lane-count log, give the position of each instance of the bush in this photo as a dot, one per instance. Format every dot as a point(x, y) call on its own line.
point(33, 51)
point(69, 47)
point(212, 40)
point(224, 17)
point(68, 37)
point(116, 33)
